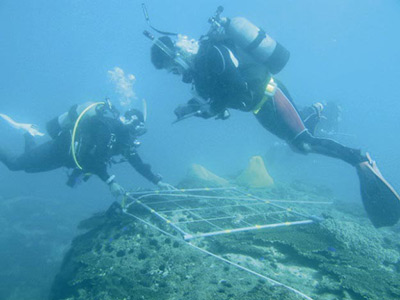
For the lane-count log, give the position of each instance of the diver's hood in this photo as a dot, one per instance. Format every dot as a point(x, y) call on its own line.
point(183, 52)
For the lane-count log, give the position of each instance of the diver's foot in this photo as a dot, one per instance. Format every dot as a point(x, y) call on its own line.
point(367, 160)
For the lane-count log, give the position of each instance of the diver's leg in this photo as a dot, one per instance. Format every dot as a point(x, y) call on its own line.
point(285, 108)
point(42, 158)
point(380, 200)
point(279, 116)
point(29, 142)
point(311, 116)
point(308, 143)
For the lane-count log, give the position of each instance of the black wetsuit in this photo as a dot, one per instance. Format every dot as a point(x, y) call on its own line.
point(98, 139)
point(228, 78)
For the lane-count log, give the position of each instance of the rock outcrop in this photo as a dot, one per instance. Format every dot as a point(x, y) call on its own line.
point(344, 257)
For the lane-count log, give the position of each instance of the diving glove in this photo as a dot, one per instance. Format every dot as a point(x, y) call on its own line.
point(194, 107)
point(225, 114)
point(185, 110)
point(116, 190)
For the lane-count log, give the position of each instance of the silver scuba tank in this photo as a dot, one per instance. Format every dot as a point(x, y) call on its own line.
point(67, 119)
point(257, 43)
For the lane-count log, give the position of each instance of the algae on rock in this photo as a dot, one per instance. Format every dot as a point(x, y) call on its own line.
point(120, 258)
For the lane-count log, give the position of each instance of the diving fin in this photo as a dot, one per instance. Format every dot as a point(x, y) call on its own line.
point(29, 128)
point(380, 200)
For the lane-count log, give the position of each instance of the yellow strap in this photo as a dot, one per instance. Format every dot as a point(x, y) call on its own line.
point(74, 132)
point(270, 90)
point(124, 199)
point(260, 104)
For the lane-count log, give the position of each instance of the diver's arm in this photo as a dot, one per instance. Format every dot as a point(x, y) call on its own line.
point(205, 111)
point(116, 189)
point(143, 169)
point(101, 171)
point(216, 108)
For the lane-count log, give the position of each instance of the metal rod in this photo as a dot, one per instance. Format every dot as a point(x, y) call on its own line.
point(190, 236)
point(159, 216)
point(275, 205)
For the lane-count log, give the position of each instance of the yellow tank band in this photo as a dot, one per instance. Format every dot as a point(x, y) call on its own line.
point(269, 92)
point(270, 89)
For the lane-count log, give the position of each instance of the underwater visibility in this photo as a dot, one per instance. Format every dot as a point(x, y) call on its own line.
point(254, 130)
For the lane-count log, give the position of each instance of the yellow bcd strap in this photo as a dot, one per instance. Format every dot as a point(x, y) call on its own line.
point(270, 90)
point(75, 129)
point(124, 200)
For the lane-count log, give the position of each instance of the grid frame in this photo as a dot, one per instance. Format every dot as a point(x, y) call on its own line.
point(205, 212)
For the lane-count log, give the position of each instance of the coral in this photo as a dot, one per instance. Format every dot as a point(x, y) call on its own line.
point(255, 175)
point(199, 176)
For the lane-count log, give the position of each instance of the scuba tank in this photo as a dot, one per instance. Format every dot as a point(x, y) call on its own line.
point(257, 43)
point(252, 39)
point(66, 121)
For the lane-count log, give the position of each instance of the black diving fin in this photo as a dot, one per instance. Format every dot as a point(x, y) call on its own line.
point(380, 200)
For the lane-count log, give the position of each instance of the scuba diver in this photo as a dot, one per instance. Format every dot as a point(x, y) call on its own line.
point(86, 139)
point(322, 119)
point(232, 67)
point(312, 116)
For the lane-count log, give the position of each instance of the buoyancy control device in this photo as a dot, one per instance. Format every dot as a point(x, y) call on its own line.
point(250, 38)
point(67, 120)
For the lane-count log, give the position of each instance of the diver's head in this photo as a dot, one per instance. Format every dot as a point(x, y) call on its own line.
point(159, 56)
point(133, 121)
point(175, 57)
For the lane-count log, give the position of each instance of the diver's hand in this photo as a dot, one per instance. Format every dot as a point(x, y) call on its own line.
point(223, 115)
point(166, 186)
point(183, 111)
point(205, 112)
point(188, 109)
point(116, 190)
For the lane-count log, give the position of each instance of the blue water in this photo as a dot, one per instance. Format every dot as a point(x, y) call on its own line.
point(57, 53)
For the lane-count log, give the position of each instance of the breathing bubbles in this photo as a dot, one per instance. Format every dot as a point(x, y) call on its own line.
point(124, 86)
point(185, 44)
